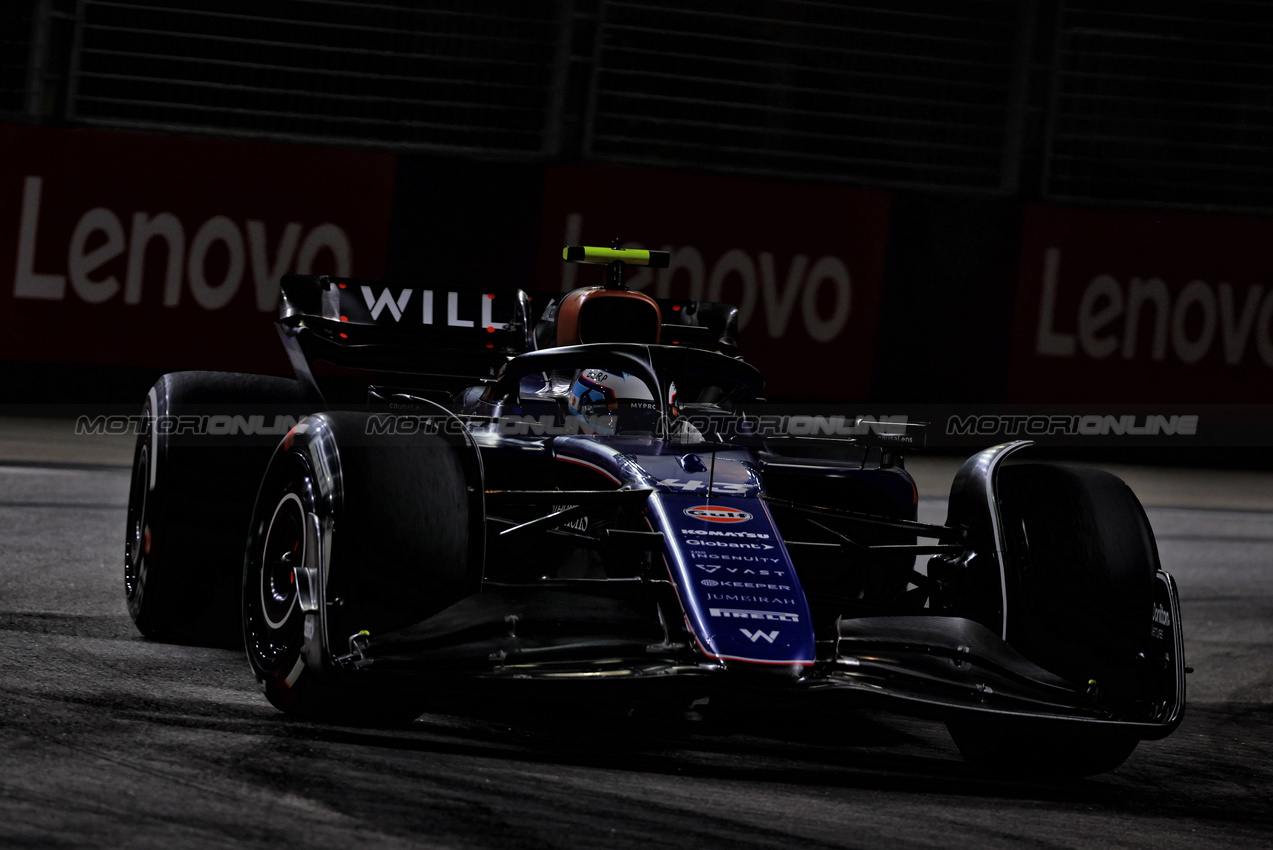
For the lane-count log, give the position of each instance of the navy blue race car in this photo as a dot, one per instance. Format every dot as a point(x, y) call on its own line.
point(586, 494)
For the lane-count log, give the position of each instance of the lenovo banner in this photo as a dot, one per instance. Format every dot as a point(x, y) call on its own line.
point(165, 251)
point(1131, 307)
point(804, 264)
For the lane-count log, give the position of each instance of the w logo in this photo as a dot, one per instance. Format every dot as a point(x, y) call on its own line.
point(756, 635)
point(377, 305)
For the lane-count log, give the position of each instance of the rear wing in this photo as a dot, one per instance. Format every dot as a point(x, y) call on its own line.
point(399, 327)
point(403, 327)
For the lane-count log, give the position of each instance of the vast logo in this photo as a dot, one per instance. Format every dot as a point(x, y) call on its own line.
point(713, 513)
point(756, 635)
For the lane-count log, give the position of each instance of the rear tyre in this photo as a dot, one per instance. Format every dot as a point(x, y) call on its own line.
point(384, 526)
point(190, 499)
point(1082, 563)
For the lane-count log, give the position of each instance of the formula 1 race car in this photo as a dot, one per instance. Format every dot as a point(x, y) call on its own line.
point(588, 496)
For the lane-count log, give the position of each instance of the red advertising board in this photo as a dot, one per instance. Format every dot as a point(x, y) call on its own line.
point(1130, 307)
point(165, 251)
point(804, 263)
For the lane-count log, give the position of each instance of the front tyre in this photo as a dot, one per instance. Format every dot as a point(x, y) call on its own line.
point(352, 531)
point(1082, 564)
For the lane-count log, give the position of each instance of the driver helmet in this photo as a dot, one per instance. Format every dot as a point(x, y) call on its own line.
point(611, 403)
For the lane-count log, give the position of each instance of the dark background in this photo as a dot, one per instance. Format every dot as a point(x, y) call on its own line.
point(966, 112)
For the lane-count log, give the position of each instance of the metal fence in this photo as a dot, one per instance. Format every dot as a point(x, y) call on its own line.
point(466, 75)
point(15, 61)
point(1166, 103)
point(834, 90)
point(1163, 104)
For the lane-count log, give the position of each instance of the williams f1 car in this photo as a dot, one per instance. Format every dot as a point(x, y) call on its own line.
point(474, 492)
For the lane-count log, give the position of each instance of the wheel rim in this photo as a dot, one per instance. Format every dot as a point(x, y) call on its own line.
point(137, 540)
point(272, 616)
point(284, 552)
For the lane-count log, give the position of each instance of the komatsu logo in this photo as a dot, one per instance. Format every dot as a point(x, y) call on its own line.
point(713, 513)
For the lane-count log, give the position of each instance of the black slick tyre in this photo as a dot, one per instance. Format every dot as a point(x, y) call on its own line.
point(191, 495)
point(1082, 564)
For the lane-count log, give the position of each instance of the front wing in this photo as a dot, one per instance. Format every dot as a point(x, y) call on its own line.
point(559, 637)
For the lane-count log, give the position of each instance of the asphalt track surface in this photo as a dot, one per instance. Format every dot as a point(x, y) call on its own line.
point(107, 739)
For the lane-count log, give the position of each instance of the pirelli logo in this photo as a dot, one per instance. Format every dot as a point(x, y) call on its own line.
point(741, 614)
